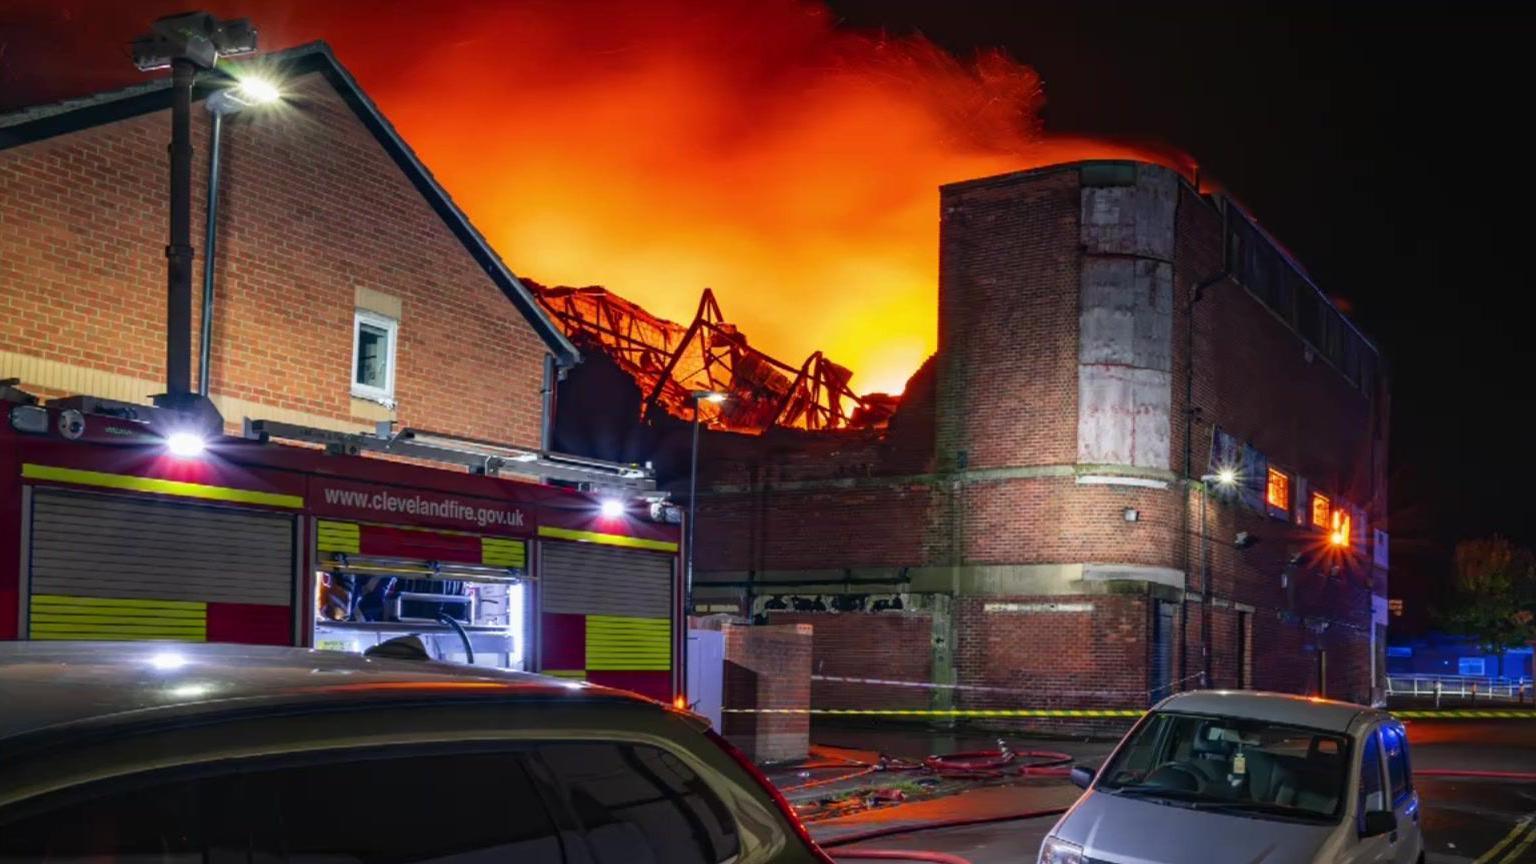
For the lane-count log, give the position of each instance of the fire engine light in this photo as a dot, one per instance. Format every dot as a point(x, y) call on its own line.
point(612, 508)
point(187, 445)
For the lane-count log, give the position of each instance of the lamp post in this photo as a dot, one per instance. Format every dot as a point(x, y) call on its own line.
point(1226, 478)
point(695, 396)
point(230, 100)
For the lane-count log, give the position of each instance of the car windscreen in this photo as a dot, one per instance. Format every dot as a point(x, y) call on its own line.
point(1232, 764)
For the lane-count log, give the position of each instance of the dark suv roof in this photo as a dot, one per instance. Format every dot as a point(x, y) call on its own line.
point(55, 687)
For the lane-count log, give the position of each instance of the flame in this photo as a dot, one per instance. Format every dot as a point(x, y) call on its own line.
point(657, 148)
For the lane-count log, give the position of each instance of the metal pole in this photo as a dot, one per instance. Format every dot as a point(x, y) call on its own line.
point(210, 236)
point(178, 254)
point(1206, 594)
point(693, 510)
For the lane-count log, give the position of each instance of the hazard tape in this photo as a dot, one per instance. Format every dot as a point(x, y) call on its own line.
point(1489, 714)
point(1466, 714)
point(980, 688)
point(946, 712)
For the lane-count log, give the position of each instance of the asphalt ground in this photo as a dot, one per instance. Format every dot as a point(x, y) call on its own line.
point(1465, 821)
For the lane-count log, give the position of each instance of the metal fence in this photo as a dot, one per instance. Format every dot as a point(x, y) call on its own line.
point(1464, 687)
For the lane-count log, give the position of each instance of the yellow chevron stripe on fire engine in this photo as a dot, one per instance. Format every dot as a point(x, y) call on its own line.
point(503, 553)
point(60, 616)
point(338, 536)
point(606, 539)
point(617, 643)
point(157, 486)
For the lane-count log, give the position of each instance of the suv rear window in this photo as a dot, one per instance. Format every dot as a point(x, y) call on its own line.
point(640, 804)
point(469, 806)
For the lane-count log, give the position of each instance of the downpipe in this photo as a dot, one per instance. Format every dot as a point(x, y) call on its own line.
point(210, 237)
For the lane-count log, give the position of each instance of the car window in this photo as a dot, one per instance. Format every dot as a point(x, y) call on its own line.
point(461, 808)
point(1269, 769)
point(641, 804)
point(1372, 795)
point(1397, 761)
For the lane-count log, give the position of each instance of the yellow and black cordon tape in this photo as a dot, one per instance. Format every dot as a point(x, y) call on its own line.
point(1098, 713)
point(946, 712)
point(1466, 714)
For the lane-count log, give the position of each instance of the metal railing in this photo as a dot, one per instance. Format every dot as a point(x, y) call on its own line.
point(1459, 687)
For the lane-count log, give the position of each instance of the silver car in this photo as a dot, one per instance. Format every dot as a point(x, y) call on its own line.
point(163, 754)
point(1218, 776)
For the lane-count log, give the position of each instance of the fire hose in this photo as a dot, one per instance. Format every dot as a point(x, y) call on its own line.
point(970, 764)
point(900, 855)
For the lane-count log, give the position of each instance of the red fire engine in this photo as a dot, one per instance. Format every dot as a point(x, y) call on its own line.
point(121, 534)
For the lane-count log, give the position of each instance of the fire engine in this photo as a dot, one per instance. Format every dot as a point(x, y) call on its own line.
point(125, 529)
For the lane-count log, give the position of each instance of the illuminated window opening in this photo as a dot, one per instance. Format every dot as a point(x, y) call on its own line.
point(1278, 492)
point(1320, 510)
point(1338, 535)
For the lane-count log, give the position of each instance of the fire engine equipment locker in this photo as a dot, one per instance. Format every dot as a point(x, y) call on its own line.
point(623, 600)
point(119, 567)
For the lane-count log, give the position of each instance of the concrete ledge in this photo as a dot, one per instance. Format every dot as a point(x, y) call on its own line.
point(1133, 573)
point(969, 580)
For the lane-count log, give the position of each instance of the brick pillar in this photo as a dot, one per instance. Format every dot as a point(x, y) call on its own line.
point(768, 667)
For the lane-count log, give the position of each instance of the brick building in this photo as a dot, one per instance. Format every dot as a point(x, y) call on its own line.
point(1030, 525)
point(350, 288)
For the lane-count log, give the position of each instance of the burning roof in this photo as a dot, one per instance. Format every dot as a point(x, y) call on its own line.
point(670, 361)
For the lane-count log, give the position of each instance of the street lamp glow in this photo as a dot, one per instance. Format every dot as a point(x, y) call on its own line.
point(612, 508)
point(1226, 476)
point(187, 445)
point(258, 91)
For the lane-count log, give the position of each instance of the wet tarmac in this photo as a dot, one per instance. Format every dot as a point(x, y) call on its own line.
point(1465, 821)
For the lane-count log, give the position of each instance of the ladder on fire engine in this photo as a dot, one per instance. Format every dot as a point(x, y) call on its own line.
point(480, 457)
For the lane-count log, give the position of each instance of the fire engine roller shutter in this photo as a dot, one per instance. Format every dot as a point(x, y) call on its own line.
point(625, 596)
point(117, 567)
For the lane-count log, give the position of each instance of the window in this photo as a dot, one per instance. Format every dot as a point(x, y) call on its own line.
point(1396, 744)
point(1372, 794)
point(468, 806)
point(373, 356)
point(1287, 772)
point(1278, 492)
point(1470, 666)
point(1320, 510)
point(640, 804)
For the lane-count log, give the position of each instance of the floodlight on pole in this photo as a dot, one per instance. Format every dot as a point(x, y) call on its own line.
point(186, 44)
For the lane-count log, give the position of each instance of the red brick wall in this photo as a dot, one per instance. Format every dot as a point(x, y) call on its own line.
point(892, 646)
point(768, 667)
point(1008, 321)
point(1069, 659)
point(311, 207)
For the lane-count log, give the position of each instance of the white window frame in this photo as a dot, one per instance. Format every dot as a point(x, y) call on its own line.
point(384, 395)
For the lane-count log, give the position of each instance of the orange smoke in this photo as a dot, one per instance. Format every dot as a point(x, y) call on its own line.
point(657, 148)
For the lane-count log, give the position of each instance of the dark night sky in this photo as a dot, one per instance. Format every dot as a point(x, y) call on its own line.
point(1383, 145)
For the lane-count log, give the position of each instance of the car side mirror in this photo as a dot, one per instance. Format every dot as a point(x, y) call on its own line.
point(1082, 775)
point(1378, 822)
